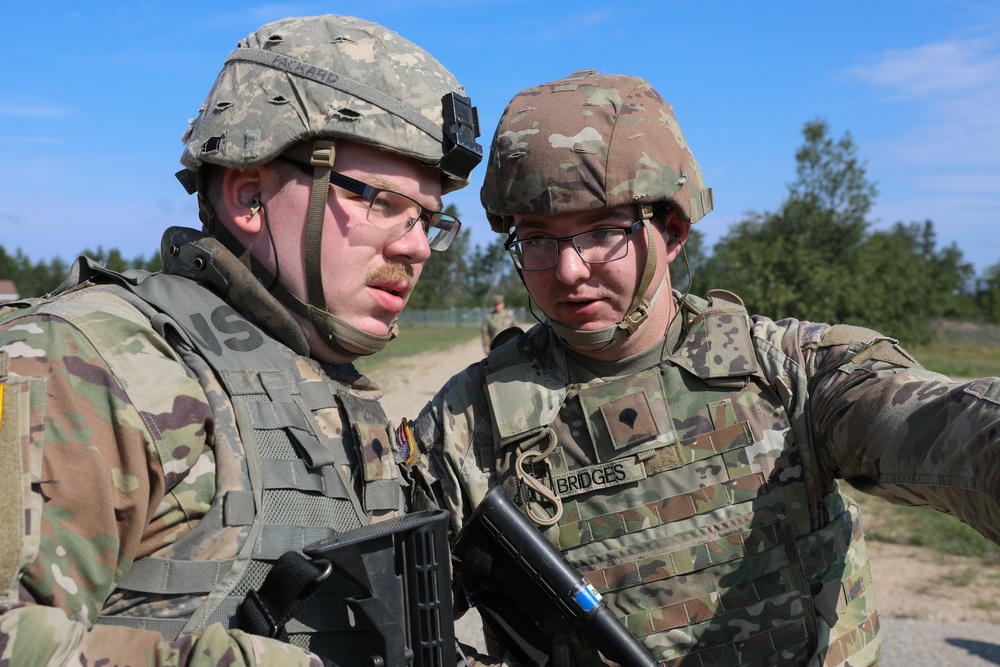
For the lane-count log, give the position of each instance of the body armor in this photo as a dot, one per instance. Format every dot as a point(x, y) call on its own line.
point(301, 452)
point(689, 495)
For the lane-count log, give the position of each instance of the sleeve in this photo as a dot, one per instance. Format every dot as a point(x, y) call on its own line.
point(453, 434)
point(89, 409)
point(894, 429)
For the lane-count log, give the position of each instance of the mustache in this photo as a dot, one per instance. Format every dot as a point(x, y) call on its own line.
point(393, 272)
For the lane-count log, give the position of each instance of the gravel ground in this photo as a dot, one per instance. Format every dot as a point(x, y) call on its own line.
point(908, 643)
point(905, 642)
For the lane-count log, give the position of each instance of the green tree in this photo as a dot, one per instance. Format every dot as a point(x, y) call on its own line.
point(904, 282)
point(444, 274)
point(988, 293)
point(816, 258)
point(37, 278)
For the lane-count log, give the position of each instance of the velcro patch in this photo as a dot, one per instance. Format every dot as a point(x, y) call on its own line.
point(629, 420)
point(11, 493)
point(600, 476)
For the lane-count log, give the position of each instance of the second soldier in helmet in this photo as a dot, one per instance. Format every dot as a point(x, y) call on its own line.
point(686, 457)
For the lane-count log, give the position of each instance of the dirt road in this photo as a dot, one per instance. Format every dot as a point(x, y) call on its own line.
point(940, 610)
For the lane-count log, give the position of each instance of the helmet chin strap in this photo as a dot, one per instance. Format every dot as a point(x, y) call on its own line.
point(334, 330)
point(637, 311)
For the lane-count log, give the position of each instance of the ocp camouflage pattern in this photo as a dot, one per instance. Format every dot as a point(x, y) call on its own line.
point(590, 141)
point(118, 437)
point(255, 112)
point(699, 483)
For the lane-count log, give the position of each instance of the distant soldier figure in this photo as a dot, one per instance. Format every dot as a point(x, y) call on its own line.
point(689, 458)
point(499, 320)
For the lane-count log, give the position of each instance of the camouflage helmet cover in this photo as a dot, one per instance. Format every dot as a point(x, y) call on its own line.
point(332, 77)
point(590, 141)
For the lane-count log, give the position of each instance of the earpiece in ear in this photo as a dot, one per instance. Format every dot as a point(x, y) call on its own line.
point(254, 205)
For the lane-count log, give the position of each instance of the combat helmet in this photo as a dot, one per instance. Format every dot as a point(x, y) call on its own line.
point(324, 78)
point(592, 141)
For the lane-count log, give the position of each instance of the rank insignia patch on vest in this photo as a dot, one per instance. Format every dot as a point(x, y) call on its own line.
point(629, 420)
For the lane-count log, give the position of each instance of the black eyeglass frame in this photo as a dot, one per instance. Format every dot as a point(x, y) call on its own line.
point(370, 193)
point(512, 241)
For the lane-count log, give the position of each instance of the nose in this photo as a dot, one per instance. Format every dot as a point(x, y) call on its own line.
point(570, 266)
point(412, 247)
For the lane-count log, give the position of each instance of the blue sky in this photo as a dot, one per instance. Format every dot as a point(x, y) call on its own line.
point(94, 97)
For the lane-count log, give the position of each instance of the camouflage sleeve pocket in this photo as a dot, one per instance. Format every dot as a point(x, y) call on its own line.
point(22, 404)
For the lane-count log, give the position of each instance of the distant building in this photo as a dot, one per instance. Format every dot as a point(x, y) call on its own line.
point(8, 291)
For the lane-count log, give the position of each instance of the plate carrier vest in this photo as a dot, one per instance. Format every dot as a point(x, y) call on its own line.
point(282, 482)
point(691, 496)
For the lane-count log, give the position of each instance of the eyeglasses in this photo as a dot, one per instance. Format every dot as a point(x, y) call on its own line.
point(598, 246)
point(391, 211)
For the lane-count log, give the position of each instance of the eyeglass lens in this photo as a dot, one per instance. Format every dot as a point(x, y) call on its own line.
point(397, 213)
point(598, 246)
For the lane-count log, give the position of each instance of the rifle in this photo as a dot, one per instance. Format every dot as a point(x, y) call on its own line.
point(402, 564)
point(500, 543)
point(401, 567)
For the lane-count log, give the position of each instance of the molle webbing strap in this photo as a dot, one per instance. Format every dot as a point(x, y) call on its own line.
point(162, 576)
point(338, 82)
point(168, 627)
point(275, 540)
point(668, 510)
point(295, 474)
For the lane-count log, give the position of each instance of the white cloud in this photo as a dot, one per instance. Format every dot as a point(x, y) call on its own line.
point(940, 69)
point(954, 87)
point(33, 110)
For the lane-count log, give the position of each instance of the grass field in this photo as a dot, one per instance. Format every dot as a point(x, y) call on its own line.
point(913, 526)
point(960, 360)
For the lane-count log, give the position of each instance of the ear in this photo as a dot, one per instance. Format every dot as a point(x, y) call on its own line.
point(677, 231)
point(240, 189)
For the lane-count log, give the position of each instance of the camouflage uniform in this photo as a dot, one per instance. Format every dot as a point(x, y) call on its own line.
point(166, 437)
point(136, 446)
point(494, 323)
point(697, 484)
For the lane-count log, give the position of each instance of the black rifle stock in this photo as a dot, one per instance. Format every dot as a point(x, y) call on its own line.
point(402, 564)
point(543, 568)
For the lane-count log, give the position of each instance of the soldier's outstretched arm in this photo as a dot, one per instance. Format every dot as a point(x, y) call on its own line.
point(104, 459)
point(914, 437)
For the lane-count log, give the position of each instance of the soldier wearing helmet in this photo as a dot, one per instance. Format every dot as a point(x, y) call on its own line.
point(687, 458)
point(174, 434)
